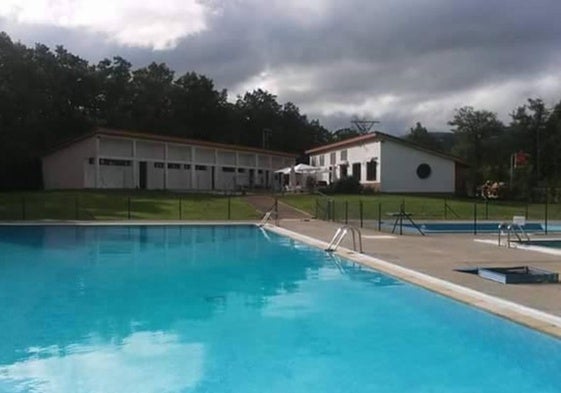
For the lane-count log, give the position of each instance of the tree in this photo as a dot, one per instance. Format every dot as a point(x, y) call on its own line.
point(151, 102)
point(420, 136)
point(475, 130)
point(529, 126)
point(345, 133)
point(48, 96)
point(200, 111)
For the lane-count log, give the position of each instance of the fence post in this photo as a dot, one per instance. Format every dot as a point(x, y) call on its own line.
point(346, 212)
point(23, 208)
point(486, 209)
point(475, 218)
point(546, 213)
point(229, 207)
point(317, 208)
point(379, 216)
point(445, 209)
point(276, 211)
point(360, 212)
point(180, 209)
point(401, 212)
point(77, 208)
point(129, 207)
point(526, 211)
point(332, 210)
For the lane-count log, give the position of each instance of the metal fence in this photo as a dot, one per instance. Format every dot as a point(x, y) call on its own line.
point(381, 214)
point(123, 207)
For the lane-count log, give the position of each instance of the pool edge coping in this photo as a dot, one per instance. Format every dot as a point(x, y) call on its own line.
point(524, 315)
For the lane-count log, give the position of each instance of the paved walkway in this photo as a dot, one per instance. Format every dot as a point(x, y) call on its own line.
point(264, 203)
point(438, 255)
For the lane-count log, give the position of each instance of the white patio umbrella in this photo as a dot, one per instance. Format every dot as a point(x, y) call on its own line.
point(304, 168)
point(292, 177)
point(284, 171)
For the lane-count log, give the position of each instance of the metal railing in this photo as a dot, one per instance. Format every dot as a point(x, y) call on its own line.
point(340, 235)
point(379, 212)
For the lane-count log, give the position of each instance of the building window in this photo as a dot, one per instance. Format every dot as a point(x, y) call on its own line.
point(241, 170)
point(200, 167)
point(174, 166)
point(343, 155)
point(228, 169)
point(314, 161)
point(158, 165)
point(186, 166)
point(424, 171)
point(343, 171)
point(111, 162)
point(371, 169)
point(332, 158)
point(356, 170)
point(321, 160)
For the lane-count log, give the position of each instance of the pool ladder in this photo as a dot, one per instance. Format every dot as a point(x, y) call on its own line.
point(340, 235)
point(509, 230)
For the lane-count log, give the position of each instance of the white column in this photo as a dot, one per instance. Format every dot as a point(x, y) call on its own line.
point(165, 166)
point(97, 177)
point(193, 174)
point(134, 164)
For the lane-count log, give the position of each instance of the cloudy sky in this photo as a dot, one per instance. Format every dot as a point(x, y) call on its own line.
point(396, 61)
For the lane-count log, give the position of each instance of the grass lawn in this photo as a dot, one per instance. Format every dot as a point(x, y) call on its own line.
point(422, 207)
point(122, 205)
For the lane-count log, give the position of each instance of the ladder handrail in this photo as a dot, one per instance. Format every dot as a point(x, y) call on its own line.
point(266, 218)
point(340, 235)
point(513, 229)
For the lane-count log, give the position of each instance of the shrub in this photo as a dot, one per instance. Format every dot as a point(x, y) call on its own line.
point(347, 185)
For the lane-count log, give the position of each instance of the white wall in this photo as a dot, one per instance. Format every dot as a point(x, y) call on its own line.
point(179, 179)
point(154, 177)
point(65, 168)
point(70, 167)
point(362, 154)
point(399, 170)
point(115, 147)
point(115, 176)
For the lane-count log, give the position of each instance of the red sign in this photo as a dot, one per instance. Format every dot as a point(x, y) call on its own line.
point(521, 159)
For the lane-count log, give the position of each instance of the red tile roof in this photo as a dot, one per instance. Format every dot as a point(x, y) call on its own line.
point(380, 136)
point(166, 138)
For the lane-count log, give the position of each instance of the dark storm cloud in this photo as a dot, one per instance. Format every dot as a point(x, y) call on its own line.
point(353, 53)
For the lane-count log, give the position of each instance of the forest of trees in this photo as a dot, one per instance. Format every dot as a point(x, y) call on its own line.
point(47, 96)
point(488, 146)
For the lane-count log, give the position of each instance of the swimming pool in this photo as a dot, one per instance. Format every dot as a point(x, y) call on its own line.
point(235, 309)
point(468, 227)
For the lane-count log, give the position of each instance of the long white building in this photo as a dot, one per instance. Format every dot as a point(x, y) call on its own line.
point(388, 164)
point(108, 158)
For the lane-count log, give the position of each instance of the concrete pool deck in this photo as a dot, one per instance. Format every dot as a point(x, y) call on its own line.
point(437, 255)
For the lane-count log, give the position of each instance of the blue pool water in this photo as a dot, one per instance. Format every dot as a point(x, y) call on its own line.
point(235, 309)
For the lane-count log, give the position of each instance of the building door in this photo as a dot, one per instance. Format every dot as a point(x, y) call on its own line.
point(267, 179)
point(213, 177)
point(142, 175)
point(251, 178)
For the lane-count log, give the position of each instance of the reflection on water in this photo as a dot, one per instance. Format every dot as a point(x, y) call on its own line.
point(234, 309)
point(126, 366)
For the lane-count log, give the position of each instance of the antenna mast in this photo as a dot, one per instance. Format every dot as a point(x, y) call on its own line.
point(364, 126)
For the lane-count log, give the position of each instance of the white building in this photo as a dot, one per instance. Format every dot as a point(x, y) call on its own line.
point(388, 164)
point(123, 159)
